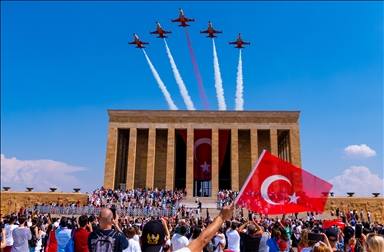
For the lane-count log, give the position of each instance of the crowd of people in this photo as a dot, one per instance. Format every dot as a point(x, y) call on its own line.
point(258, 233)
point(118, 227)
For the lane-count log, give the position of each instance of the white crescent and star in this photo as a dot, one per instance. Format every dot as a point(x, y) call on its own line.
point(267, 182)
point(201, 141)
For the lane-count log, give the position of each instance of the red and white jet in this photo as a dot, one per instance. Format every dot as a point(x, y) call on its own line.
point(138, 42)
point(160, 31)
point(182, 19)
point(239, 42)
point(211, 31)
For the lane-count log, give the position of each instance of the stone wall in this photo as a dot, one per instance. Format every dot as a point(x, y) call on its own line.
point(161, 158)
point(13, 201)
point(345, 204)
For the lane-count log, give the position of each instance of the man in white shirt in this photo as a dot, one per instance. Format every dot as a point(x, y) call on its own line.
point(8, 234)
point(233, 238)
point(179, 241)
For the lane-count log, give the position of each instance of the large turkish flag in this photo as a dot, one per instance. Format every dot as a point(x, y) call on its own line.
point(202, 152)
point(275, 186)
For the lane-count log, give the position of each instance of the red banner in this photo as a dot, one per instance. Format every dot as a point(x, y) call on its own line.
point(202, 152)
point(275, 186)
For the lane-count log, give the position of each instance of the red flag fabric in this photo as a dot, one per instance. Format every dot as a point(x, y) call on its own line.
point(329, 223)
point(275, 186)
point(202, 152)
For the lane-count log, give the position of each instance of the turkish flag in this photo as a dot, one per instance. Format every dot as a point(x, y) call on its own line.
point(330, 223)
point(275, 186)
point(202, 152)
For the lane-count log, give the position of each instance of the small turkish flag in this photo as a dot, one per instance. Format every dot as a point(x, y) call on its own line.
point(275, 186)
point(330, 223)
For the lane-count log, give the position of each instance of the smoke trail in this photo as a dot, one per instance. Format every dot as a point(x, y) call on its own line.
point(199, 80)
point(179, 80)
point(167, 96)
point(239, 86)
point(218, 80)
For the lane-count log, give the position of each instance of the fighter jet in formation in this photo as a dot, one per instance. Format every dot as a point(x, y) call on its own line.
point(138, 42)
point(182, 19)
point(160, 31)
point(211, 31)
point(239, 42)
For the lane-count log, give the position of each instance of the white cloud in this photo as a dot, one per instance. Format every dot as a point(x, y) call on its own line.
point(359, 151)
point(357, 179)
point(39, 174)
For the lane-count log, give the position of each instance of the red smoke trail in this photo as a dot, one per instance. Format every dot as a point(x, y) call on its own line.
point(198, 77)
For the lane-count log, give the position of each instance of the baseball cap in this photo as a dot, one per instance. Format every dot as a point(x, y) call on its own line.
point(152, 237)
point(331, 234)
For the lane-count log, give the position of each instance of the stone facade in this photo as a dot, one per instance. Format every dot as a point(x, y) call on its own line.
point(148, 157)
point(345, 204)
point(13, 201)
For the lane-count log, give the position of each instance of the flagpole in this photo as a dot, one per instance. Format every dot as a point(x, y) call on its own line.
point(250, 176)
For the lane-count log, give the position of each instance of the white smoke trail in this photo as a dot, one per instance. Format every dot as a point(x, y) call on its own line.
point(167, 96)
point(179, 80)
point(218, 80)
point(239, 86)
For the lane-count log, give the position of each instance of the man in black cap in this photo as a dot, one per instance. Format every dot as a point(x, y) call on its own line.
point(153, 237)
point(333, 238)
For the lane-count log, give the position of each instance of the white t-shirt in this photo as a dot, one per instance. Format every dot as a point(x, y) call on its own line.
point(233, 240)
point(217, 241)
point(179, 241)
point(8, 234)
point(133, 246)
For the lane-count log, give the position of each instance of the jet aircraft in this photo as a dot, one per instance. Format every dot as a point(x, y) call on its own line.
point(211, 31)
point(182, 19)
point(138, 42)
point(160, 31)
point(239, 42)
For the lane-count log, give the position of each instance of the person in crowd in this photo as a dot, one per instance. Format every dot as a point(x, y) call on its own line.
point(219, 240)
point(373, 242)
point(233, 237)
point(21, 235)
point(63, 234)
point(80, 236)
point(8, 233)
point(179, 240)
point(133, 246)
point(106, 221)
point(251, 237)
point(52, 242)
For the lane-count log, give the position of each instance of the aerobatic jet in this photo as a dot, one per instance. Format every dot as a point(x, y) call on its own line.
point(160, 31)
point(138, 42)
point(182, 19)
point(211, 31)
point(239, 42)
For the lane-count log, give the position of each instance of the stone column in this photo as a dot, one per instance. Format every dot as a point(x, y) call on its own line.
point(170, 177)
point(151, 158)
point(273, 138)
point(254, 147)
point(110, 161)
point(215, 162)
point(235, 160)
point(189, 172)
point(130, 180)
point(294, 138)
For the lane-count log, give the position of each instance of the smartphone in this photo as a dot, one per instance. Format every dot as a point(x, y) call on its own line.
point(113, 209)
point(358, 230)
point(315, 237)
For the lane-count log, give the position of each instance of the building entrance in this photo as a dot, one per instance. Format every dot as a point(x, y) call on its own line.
point(203, 188)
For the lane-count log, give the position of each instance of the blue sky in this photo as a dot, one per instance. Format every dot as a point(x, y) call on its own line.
point(63, 64)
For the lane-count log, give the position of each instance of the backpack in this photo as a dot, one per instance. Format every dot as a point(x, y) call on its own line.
point(359, 246)
point(210, 247)
point(104, 243)
point(70, 247)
